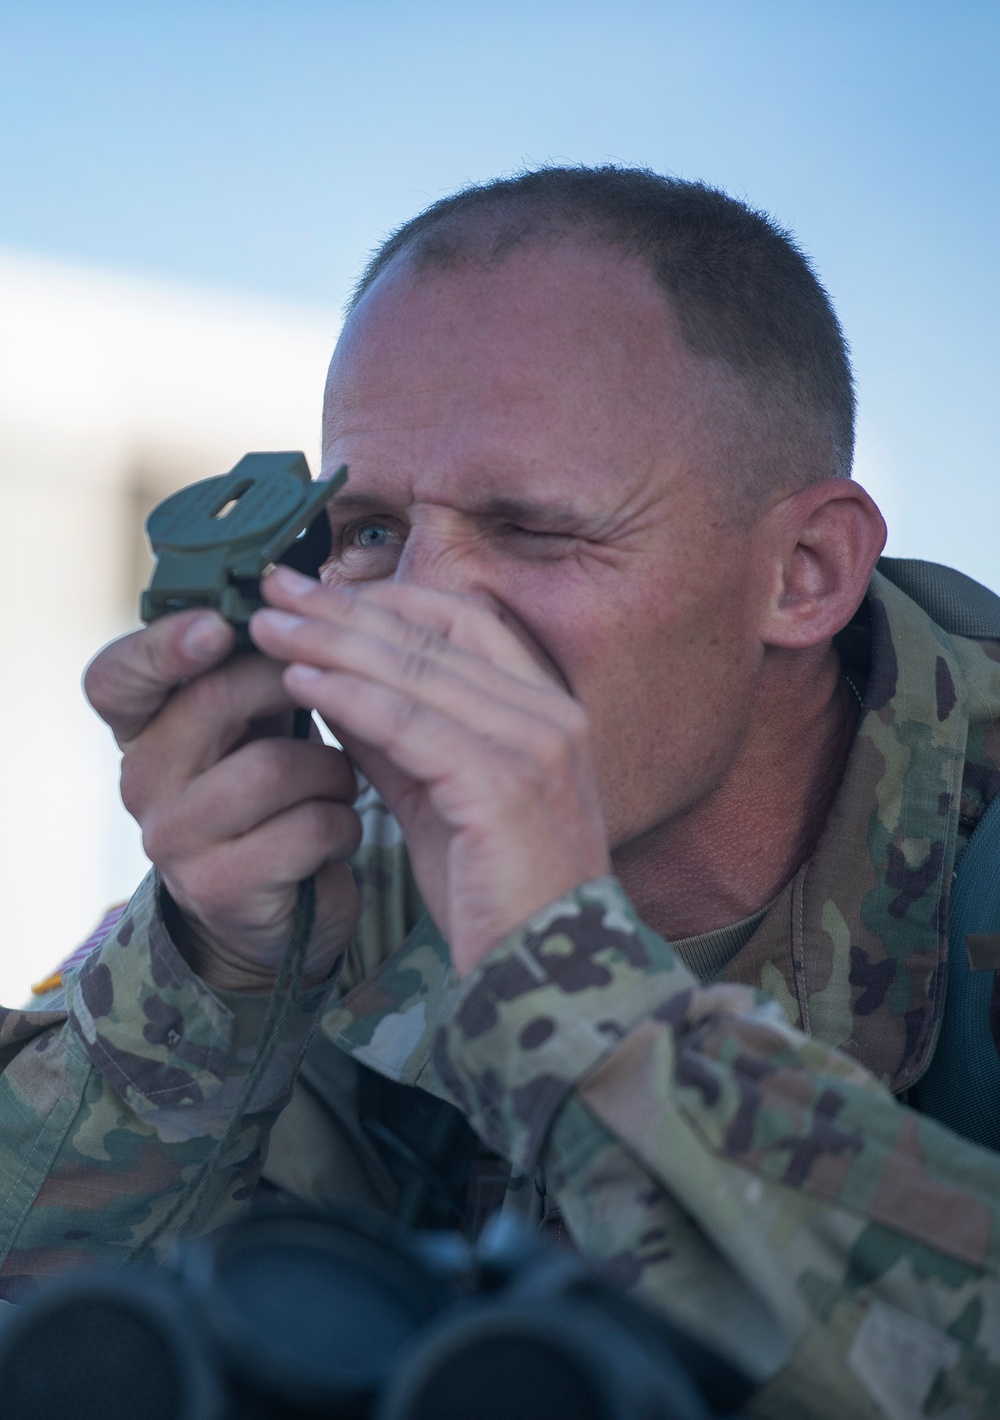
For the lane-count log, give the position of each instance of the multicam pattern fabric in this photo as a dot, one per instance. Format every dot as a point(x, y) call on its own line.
point(732, 1150)
point(855, 946)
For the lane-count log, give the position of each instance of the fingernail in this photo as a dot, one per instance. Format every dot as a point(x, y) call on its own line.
point(277, 620)
point(291, 581)
point(207, 636)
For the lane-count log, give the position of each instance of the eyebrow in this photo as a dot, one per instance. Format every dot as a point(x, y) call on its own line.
point(552, 512)
point(358, 500)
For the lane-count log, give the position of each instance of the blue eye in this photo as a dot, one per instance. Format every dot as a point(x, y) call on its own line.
point(372, 535)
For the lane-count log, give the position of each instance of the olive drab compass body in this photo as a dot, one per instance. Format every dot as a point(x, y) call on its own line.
point(214, 540)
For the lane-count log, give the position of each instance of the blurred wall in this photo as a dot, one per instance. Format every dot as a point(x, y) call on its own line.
point(112, 393)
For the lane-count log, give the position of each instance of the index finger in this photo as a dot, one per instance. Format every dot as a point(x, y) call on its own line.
point(129, 680)
point(407, 613)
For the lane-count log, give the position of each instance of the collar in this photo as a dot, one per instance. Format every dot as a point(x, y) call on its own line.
point(856, 945)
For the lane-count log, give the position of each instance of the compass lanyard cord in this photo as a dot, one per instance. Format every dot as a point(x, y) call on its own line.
point(287, 985)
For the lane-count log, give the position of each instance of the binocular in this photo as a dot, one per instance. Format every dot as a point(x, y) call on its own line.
point(300, 1315)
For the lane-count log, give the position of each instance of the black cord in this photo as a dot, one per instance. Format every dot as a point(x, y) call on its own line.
point(287, 985)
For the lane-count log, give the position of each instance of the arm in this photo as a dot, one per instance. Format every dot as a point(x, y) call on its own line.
point(109, 1109)
point(760, 1187)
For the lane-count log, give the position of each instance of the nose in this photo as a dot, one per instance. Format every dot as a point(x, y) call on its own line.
point(445, 556)
point(451, 557)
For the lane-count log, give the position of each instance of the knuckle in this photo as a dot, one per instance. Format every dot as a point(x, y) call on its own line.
point(316, 823)
point(414, 666)
point(94, 680)
point(343, 829)
point(157, 840)
point(158, 653)
point(133, 784)
point(128, 681)
point(150, 656)
point(103, 679)
point(576, 724)
point(516, 777)
point(173, 840)
point(420, 641)
point(264, 766)
point(552, 751)
point(310, 836)
point(342, 822)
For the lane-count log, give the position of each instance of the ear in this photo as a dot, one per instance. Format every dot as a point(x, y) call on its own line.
point(826, 541)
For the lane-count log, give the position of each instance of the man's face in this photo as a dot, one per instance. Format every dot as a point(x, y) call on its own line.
point(535, 434)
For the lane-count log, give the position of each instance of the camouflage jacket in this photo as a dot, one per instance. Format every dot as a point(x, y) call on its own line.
point(733, 1149)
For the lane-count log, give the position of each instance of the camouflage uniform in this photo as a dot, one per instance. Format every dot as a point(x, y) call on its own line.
point(731, 1149)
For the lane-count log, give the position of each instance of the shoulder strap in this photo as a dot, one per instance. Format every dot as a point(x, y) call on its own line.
point(959, 605)
point(961, 1087)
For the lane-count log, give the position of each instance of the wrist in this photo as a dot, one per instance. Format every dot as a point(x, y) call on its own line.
point(217, 965)
point(239, 960)
point(476, 938)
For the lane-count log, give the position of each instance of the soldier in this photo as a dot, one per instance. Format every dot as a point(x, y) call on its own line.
point(601, 630)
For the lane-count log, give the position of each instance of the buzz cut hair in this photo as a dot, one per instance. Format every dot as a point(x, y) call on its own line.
point(742, 290)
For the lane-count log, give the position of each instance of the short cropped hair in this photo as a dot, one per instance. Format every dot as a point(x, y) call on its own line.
point(743, 291)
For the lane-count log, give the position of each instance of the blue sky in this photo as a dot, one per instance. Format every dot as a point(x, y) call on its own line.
point(267, 147)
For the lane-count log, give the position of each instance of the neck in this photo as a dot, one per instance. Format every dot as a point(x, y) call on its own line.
point(733, 852)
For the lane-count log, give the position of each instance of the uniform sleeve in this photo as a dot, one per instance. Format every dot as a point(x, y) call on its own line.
point(108, 1107)
point(761, 1188)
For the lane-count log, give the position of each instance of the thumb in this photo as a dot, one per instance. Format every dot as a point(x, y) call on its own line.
point(129, 680)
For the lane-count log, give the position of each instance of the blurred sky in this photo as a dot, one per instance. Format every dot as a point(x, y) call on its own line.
point(266, 147)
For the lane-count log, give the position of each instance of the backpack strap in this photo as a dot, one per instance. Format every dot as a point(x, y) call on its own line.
point(961, 1086)
point(959, 605)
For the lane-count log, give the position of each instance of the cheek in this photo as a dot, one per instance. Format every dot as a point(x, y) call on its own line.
point(583, 640)
point(666, 674)
point(670, 704)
